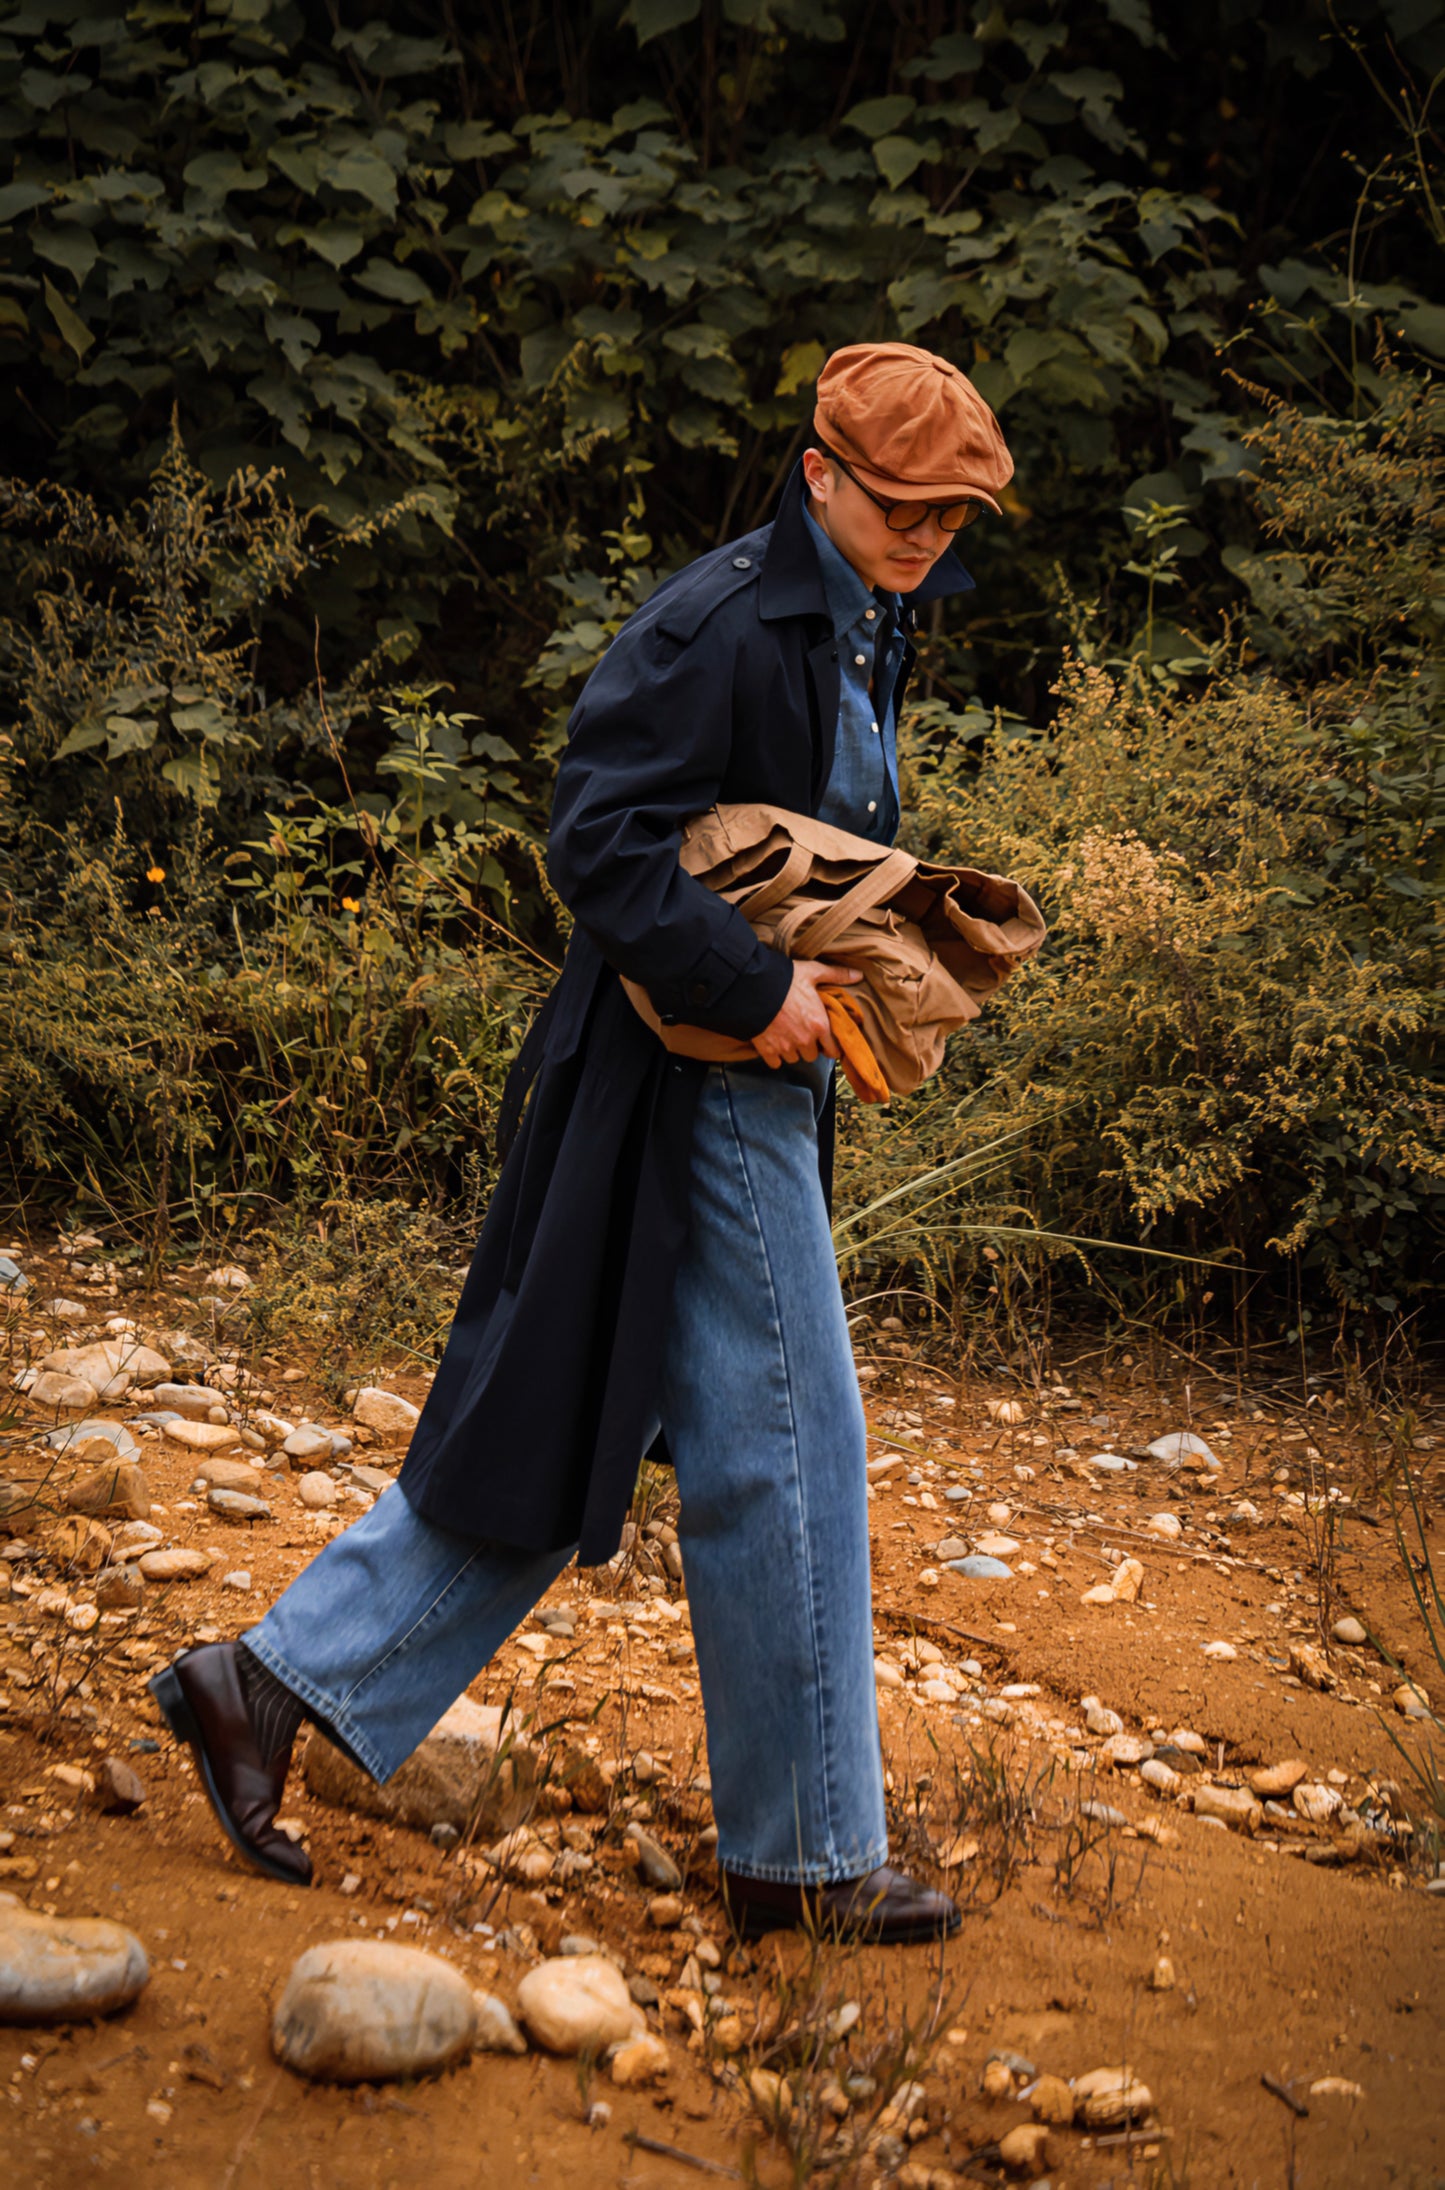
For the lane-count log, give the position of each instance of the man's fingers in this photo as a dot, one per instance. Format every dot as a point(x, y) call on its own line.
point(833, 974)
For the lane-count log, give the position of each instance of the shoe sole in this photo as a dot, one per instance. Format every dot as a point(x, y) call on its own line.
point(179, 1717)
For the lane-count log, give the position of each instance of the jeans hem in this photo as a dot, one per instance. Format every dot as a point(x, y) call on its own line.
point(830, 1872)
point(324, 1707)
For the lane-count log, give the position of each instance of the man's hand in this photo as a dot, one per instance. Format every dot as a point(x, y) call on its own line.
point(801, 1030)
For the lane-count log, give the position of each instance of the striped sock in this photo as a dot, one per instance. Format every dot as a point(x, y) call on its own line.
point(275, 1711)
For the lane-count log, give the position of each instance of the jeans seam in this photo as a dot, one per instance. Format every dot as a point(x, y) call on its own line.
point(824, 1723)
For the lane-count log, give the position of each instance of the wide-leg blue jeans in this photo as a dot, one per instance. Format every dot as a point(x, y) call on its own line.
point(392, 1620)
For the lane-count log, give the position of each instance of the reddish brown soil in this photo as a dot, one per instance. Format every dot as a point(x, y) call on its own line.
point(1286, 1966)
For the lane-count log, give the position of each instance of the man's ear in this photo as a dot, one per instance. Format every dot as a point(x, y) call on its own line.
point(816, 470)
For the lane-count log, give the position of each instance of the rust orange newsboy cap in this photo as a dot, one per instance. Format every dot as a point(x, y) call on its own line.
point(910, 424)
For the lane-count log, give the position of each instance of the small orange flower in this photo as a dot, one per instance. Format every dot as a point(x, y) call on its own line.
point(351, 904)
point(155, 874)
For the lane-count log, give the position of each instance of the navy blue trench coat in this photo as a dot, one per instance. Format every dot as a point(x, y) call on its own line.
point(723, 686)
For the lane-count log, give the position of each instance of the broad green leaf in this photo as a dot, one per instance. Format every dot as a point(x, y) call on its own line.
point(652, 18)
point(196, 775)
point(955, 54)
point(637, 114)
point(335, 241)
point(541, 353)
point(71, 247)
point(216, 173)
point(72, 327)
point(286, 401)
point(299, 163)
point(81, 739)
point(802, 363)
point(397, 283)
point(1425, 324)
point(294, 336)
point(877, 117)
point(918, 298)
point(129, 734)
point(476, 141)
point(698, 426)
point(205, 718)
point(698, 340)
point(364, 173)
point(20, 197)
point(897, 158)
point(41, 87)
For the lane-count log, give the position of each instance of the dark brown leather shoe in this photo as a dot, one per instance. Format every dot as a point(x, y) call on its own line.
point(201, 1701)
point(885, 1908)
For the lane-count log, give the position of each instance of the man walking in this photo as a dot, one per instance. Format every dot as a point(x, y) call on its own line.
point(656, 1269)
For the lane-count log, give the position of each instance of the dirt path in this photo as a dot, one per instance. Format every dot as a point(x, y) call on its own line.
point(1297, 1953)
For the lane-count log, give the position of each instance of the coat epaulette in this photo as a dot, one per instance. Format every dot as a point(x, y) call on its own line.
point(707, 583)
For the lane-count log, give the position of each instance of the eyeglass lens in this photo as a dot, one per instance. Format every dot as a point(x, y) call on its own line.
point(953, 516)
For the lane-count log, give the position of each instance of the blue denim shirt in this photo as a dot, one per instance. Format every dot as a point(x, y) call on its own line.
point(862, 790)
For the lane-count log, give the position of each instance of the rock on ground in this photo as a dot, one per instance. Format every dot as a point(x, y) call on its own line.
point(1051, 2100)
point(1232, 1806)
point(202, 1436)
point(385, 1412)
point(306, 1442)
point(450, 1776)
point(80, 1542)
point(496, 2031)
point(65, 1969)
point(640, 2061)
point(238, 1505)
point(1024, 2150)
point(121, 1790)
point(1278, 1779)
point(181, 1564)
point(578, 2003)
point(195, 1400)
point(220, 1474)
point(653, 1860)
point(94, 1439)
point(119, 1589)
point(1108, 2096)
point(117, 1487)
point(70, 1393)
point(110, 1365)
point(359, 2010)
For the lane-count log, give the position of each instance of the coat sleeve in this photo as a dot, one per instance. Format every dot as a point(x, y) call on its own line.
point(648, 749)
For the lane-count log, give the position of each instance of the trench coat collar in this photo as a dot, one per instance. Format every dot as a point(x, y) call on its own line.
point(791, 582)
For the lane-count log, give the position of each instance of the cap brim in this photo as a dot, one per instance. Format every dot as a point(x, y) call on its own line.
point(909, 490)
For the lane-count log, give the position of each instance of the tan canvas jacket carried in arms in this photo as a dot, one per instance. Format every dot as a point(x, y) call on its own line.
point(933, 943)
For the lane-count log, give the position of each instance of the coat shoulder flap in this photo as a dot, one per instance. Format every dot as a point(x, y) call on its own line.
point(693, 595)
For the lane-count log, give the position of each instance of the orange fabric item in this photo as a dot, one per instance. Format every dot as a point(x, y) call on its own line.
point(865, 1074)
point(910, 424)
point(932, 943)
